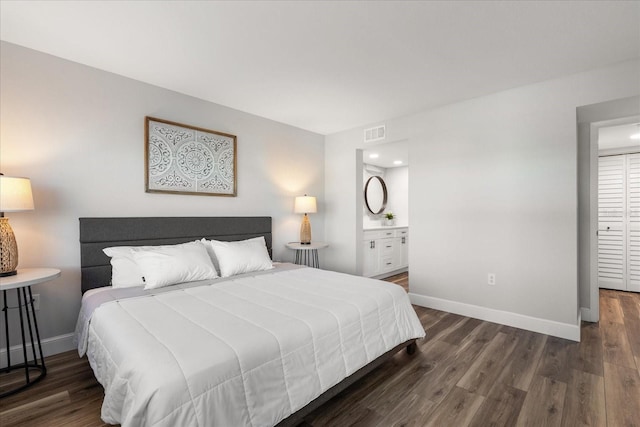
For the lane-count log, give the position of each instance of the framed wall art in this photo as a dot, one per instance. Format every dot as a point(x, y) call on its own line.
point(184, 159)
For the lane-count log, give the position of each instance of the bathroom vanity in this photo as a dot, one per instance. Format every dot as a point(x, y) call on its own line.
point(385, 251)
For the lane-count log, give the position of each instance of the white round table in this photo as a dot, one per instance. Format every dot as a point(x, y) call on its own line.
point(307, 254)
point(21, 283)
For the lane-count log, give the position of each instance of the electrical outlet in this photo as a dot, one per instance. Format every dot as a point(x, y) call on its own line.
point(36, 302)
point(491, 279)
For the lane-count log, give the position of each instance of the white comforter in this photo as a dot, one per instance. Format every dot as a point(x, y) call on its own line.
point(248, 351)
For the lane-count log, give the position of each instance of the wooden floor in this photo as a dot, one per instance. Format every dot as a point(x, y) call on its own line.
point(465, 373)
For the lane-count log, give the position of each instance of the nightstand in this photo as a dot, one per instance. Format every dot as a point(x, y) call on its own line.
point(21, 283)
point(307, 254)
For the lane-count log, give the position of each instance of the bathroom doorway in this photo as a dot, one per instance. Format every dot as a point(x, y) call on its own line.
point(385, 212)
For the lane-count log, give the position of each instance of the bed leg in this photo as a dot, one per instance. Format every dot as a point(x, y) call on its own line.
point(411, 348)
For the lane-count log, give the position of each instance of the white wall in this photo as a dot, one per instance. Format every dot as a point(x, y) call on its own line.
point(397, 180)
point(492, 188)
point(78, 133)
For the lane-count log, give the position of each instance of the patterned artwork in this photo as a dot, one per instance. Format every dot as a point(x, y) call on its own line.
point(186, 159)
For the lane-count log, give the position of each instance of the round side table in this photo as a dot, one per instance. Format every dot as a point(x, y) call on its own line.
point(307, 254)
point(21, 283)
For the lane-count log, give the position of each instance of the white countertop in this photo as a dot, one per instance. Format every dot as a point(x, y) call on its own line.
point(385, 227)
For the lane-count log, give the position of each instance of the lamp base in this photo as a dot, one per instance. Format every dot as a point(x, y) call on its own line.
point(8, 249)
point(305, 231)
point(8, 273)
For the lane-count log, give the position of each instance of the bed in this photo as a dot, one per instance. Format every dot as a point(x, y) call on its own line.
point(259, 348)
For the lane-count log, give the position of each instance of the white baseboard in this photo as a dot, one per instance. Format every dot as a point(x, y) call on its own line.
point(50, 346)
point(543, 326)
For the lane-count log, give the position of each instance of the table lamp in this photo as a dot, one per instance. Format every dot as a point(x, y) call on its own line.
point(305, 205)
point(15, 196)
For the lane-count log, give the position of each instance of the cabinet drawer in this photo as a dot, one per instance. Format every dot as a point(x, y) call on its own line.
point(387, 246)
point(378, 234)
point(402, 232)
point(387, 264)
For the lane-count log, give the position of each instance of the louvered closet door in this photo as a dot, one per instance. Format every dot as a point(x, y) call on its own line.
point(612, 266)
point(633, 222)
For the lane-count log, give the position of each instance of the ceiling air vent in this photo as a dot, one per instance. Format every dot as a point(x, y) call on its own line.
point(374, 134)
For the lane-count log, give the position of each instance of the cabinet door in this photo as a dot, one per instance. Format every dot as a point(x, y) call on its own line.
point(370, 264)
point(611, 223)
point(404, 251)
point(397, 253)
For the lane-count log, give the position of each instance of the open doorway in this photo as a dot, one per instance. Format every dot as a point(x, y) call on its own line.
point(590, 118)
point(619, 207)
point(385, 212)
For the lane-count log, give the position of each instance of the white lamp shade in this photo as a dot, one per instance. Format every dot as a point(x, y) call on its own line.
point(305, 204)
point(15, 194)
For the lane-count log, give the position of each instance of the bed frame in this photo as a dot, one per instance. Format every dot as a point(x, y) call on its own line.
point(99, 233)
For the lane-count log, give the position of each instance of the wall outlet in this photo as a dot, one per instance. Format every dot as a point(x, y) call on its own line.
point(36, 302)
point(491, 279)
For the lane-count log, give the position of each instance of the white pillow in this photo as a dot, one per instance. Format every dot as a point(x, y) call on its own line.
point(167, 265)
point(212, 254)
point(124, 270)
point(240, 257)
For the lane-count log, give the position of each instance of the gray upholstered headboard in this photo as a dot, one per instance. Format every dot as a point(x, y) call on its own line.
point(99, 233)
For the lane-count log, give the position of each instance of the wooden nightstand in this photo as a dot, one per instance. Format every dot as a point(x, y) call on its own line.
point(21, 283)
point(307, 254)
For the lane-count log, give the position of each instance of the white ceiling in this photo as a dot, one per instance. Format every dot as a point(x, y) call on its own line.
point(618, 136)
point(328, 66)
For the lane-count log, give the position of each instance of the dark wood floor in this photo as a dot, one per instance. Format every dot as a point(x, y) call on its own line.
point(465, 373)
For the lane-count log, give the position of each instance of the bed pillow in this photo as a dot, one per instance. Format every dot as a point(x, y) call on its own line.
point(169, 265)
point(125, 272)
point(212, 254)
point(240, 257)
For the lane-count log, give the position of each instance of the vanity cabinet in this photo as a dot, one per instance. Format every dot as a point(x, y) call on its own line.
point(385, 251)
point(403, 235)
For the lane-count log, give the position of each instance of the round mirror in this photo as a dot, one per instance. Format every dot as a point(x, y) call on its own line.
point(375, 195)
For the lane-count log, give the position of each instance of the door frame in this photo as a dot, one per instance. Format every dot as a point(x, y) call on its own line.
point(590, 119)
